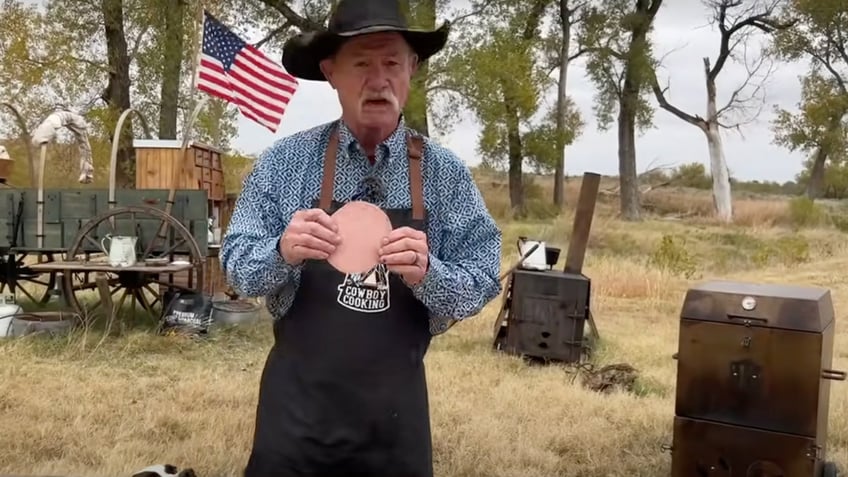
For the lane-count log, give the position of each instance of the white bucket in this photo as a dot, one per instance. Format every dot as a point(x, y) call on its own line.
point(8, 311)
point(6, 326)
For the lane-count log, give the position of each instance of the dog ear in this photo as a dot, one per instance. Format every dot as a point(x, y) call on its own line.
point(189, 472)
point(159, 470)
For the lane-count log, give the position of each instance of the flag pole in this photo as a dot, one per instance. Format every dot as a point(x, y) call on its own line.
point(195, 51)
point(179, 168)
point(196, 100)
point(198, 47)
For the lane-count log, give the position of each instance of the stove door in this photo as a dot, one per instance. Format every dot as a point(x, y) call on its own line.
point(708, 449)
point(749, 376)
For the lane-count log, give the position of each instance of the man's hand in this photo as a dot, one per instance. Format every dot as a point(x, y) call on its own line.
point(406, 253)
point(311, 234)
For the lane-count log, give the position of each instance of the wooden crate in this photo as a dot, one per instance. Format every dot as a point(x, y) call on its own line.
point(159, 165)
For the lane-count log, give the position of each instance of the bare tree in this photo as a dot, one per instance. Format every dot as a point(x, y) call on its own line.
point(737, 21)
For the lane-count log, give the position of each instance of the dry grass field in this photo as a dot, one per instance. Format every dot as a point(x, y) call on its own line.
point(67, 408)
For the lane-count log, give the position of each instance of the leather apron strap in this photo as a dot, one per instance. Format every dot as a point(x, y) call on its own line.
point(415, 148)
point(329, 177)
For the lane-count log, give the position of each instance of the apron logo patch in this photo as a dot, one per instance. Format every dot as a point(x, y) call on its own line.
point(366, 292)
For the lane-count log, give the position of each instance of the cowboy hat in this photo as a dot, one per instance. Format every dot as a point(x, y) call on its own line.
point(303, 53)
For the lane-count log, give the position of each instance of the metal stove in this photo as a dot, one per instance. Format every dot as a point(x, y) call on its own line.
point(543, 312)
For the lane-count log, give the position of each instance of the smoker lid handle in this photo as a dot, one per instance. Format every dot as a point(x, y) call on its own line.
point(746, 319)
point(834, 375)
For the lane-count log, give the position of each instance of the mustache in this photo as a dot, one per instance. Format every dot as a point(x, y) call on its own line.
point(384, 95)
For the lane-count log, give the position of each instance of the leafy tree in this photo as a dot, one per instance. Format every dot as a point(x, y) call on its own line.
point(501, 78)
point(94, 38)
point(819, 127)
point(166, 63)
point(102, 57)
point(620, 63)
point(834, 184)
point(692, 175)
point(542, 141)
point(238, 166)
point(46, 64)
point(38, 72)
point(428, 84)
point(561, 49)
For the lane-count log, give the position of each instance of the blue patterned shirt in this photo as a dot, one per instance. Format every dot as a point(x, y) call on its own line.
point(464, 240)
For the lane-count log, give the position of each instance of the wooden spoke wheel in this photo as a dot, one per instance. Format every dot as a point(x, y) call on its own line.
point(17, 278)
point(161, 240)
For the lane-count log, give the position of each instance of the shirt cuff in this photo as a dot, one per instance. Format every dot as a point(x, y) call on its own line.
point(428, 288)
point(281, 266)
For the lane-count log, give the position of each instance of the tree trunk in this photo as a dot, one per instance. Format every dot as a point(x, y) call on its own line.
point(515, 150)
point(629, 182)
point(216, 112)
point(117, 93)
point(172, 58)
point(415, 111)
point(816, 184)
point(631, 89)
point(722, 197)
point(422, 14)
point(628, 102)
point(815, 187)
point(562, 103)
point(516, 158)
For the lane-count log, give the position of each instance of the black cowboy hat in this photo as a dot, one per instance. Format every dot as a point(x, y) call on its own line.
point(303, 53)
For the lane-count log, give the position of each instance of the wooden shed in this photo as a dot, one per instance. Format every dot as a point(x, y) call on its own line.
point(159, 165)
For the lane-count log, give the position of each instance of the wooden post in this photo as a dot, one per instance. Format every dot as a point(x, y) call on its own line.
point(582, 223)
point(106, 302)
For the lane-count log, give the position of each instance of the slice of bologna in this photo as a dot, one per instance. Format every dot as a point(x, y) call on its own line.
point(362, 227)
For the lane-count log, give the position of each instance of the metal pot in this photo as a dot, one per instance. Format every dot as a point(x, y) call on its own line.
point(54, 323)
point(234, 312)
point(551, 256)
point(8, 311)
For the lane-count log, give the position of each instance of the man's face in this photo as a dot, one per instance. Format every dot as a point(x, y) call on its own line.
point(371, 74)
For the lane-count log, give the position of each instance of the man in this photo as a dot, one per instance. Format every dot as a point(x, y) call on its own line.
point(343, 392)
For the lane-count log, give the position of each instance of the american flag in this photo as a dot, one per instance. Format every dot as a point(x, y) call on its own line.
point(239, 73)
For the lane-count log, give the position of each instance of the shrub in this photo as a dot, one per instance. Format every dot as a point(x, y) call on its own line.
point(671, 255)
point(803, 212)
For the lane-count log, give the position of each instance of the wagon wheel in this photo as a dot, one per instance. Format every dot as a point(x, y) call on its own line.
point(159, 235)
point(17, 276)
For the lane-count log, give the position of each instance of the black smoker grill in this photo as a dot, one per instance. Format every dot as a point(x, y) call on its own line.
point(753, 381)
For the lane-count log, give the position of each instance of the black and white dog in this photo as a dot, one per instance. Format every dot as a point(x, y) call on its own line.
point(166, 470)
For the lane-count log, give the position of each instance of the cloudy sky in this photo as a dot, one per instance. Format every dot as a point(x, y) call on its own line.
point(683, 33)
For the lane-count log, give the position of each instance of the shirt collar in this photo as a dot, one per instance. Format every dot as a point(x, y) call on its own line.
point(393, 147)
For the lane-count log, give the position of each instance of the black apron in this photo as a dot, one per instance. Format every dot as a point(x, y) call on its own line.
point(344, 392)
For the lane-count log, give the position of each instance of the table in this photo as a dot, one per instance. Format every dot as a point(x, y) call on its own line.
point(90, 266)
